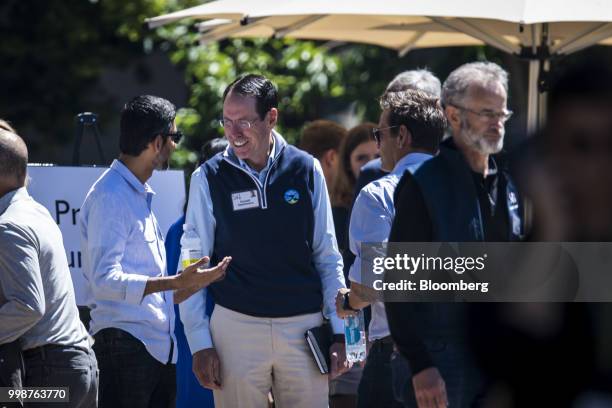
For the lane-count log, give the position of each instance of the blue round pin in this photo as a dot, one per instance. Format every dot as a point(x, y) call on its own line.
point(292, 196)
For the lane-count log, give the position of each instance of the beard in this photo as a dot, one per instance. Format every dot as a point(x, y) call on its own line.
point(479, 141)
point(164, 166)
point(162, 162)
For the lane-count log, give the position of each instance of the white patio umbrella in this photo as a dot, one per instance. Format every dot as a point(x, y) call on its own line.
point(538, 30)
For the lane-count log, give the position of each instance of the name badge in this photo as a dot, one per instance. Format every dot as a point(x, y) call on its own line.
point(244, 200)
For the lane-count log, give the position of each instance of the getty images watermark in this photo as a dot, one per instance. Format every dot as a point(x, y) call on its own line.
point(411, 265)
point(489, 272)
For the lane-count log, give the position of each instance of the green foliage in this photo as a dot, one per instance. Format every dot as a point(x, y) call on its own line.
point(53, 52)
point(303, 71)
point(313, 80)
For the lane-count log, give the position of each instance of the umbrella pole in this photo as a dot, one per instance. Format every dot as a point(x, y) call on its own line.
point(543, 95)
point(532, 96)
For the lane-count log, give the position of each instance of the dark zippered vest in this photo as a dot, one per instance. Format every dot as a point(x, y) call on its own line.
point(268, 231)
point(450, 196)
point(448, 189)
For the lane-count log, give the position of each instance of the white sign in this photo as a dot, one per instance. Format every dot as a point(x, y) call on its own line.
point(62, 190)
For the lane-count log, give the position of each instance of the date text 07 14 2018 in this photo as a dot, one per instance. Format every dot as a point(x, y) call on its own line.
point(34, 394)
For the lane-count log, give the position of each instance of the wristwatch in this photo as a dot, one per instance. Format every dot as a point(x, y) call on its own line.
point(346, 305)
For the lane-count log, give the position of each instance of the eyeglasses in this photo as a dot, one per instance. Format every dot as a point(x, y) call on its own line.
point(175, 136)
point(486, 114)
point(377, 134)
point(242, 124)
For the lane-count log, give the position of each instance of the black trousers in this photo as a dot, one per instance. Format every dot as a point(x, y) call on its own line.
point(12, 369)
point(63, 366)
point(129, 376)
point(376, 385)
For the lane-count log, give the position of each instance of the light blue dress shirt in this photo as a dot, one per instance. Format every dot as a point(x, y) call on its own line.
point(371, 221)
point(326, 257)
point(122, 247)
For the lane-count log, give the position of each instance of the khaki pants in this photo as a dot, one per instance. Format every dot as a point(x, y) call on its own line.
point(258, 354)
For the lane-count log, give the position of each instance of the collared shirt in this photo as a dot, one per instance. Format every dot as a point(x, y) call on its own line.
point(37, 303)
point(260, 175)
point(122, 247)
point(415, 223)
point(326, 258)
point(371, 221)
point(491, 191)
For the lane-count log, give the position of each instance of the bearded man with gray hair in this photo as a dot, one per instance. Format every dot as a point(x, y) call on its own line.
point(462, 195)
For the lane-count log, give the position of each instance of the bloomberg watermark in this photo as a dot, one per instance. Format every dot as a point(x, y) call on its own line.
point(488, 272)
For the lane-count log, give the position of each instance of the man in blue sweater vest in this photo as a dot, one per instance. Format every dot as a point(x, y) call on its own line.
point(265, 203)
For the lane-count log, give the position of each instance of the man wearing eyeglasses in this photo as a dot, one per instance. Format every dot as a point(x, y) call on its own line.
point(265, 203)
point(462, 195)
point(130, 294)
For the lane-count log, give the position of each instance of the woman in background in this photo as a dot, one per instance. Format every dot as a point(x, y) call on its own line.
point(322, 139)
point(357, 149)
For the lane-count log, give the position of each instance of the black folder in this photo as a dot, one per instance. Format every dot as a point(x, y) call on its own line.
point(319, 340)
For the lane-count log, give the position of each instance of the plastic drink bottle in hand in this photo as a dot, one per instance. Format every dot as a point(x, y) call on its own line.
point(191, 249)
point(355, 338)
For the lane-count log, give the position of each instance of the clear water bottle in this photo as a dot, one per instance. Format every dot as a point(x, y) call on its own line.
point(355, 337)
point(191, 248)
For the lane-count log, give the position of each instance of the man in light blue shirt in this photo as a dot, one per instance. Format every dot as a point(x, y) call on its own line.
point(411, 127)
point(265, 203)
point(131, 298)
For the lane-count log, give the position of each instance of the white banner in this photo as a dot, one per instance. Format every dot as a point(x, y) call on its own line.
point(62, 190)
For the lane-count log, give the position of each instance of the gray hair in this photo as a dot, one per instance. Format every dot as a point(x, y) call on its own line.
point(474, 73)
point(419, 79)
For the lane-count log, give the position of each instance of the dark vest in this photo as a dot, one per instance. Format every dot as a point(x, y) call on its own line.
point(450, 196)
point(271, 273)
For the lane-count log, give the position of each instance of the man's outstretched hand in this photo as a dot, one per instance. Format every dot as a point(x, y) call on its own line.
point(194, 278)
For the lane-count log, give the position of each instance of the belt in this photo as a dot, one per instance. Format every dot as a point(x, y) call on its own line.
point(42, 351)
point(385, 340)
point(384, 344)
point(110, 333)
